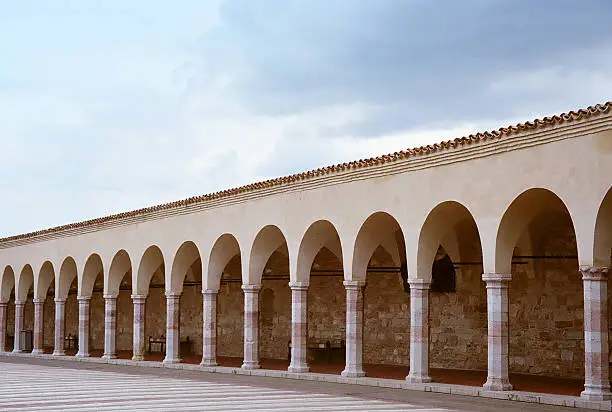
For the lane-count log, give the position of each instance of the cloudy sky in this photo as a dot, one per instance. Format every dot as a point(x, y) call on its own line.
point(112, 105)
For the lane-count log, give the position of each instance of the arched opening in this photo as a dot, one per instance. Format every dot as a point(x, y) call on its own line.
point(380, 255)
point(25, 294)
point(319, 262)
point(269, 266)
point(602, 253)
point(224, 275)
point(66, 290)
point(536, 242)
point(450, 256)
point(45, 292)
point(150, 282)
point(119, 285)
point(92, 287)
point(7, 300)
point(186, 279)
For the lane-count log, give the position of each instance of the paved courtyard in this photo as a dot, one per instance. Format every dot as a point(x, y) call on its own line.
point(34, 385)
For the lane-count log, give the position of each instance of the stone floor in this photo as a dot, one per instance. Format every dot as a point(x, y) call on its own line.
point(30, 384)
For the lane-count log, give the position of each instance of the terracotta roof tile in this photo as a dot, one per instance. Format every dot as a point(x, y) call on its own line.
point(362, 163)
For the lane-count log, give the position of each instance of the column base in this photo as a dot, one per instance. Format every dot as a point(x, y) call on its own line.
point(249, 366)
point(109, 356)
point(209, 362)
point(81, 355)
point(418, 379)
point(298, 369)
point(138, 358)
point(59, 353)
point(596, 392)
point(37, 352)
point(352, 373)
point(497, 384)
point(172, 360)
point(17, 351)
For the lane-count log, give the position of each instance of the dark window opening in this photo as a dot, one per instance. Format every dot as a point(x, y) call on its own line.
point(443, 276)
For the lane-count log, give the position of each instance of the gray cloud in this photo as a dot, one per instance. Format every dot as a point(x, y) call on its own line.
point(424, 62)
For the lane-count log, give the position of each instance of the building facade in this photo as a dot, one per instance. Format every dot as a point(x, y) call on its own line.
point(489, 252)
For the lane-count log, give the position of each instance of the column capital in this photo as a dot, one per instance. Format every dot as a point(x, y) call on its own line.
point(496, 278)
point(3, 304)
point(209, 292)
point(354, 284)
point(139, 298)
point(299, 285)
point(110, 297)
point(251, 288)
point(419, 283)
point(39, 300)
point(83, 298)
point(594, 273)
point(20, 303)
point(60, 300)
point(173, 295)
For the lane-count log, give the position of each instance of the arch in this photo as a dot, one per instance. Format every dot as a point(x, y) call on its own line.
point(521, 211)
point(440, 222)
point(7, 284)
point(46, 274)
point(24, 282)
point(93, 268)
point(603, 232)
point(67, 274)
point(378, 229)
point(119, 267)
point(223, 250)
point(186, 255)
point(152, 260)
point(268, 239)
point(319, 234)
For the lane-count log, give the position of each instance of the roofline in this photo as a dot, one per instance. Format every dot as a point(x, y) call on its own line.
point(528, 128)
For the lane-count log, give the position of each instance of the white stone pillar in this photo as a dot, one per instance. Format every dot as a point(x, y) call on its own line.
point(209, 328)
point(173, 324)
point(497, 321)
point(597, 383)
point(419, 331)
point(110, 327)
point(37, 347)
point(3, 310)
point(19, 305)
point(83, 326)
point(251, 326)
point(60, 324)
point(138, 344)
point(299, 327)
point(353, 367)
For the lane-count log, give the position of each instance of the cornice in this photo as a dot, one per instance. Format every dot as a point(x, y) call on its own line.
point(538, 132)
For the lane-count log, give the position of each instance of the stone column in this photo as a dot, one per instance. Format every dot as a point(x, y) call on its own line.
point(173, 324)
point(209, 328)
point(138, 344)
point(354, 329)
point(39, 305)
point(419, 331)
point(251, 326)
point(497, 320)
point(83, 326)
point(299, 327)
point(3, 310)
point(19, 305)
point(60, 306)
point(110, 326)
point(597, 383)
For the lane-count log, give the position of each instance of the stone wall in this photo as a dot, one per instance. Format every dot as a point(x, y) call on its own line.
point(274, 319)
point(49, 322)
point(230, 333)
point(96, 322)
point(155, 314)
point(191, 317)
point(125, 321)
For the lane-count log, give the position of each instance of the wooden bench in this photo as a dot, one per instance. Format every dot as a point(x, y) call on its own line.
point(185, 346)
point(157, 341)
point(319, 351)
point(71, 341)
